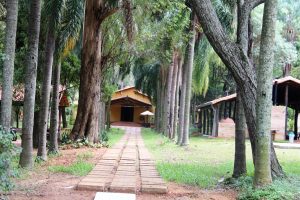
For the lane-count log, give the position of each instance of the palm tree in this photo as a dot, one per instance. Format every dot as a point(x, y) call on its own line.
point(188, 71)
point(8, 66)
point(30, 84)
point(53, 9)
point(68, 32)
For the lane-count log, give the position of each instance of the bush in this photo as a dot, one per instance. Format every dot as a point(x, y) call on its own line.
point(281, 189)
point(7, 152)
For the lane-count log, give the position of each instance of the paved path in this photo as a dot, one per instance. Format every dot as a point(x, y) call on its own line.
point(126, 167)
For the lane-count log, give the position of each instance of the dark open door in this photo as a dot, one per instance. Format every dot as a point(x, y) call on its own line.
point(127, 114)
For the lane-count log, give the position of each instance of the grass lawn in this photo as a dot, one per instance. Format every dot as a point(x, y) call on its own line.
point(206, 161)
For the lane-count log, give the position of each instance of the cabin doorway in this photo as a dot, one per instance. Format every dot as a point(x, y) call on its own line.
point(127, 114)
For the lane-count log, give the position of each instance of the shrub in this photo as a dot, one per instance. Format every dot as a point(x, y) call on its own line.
point(7, 152)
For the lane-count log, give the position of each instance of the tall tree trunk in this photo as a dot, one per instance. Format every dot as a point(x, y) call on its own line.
point(64, 117)
point(189, 64)
point(102, 119)
point(262, 175)
point(240, 135)
point(182, 104)
point(173, 95)
point(29, 117)
point(157, 109)
point(237, 62)
point(53, 147)
point(45, 97)
point(87, 119)
point(35, 129)
point(176, 106)
point(169, 99)
point(108, 115)
point(8, 66)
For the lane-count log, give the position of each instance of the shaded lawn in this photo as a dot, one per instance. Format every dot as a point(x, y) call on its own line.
point(206, 161)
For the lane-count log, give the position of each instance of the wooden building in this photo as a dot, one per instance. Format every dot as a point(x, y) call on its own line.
point(18, 102)
point(216, 118)
point(127, 104)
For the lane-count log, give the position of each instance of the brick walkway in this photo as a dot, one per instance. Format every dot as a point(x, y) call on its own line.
point(126, 167)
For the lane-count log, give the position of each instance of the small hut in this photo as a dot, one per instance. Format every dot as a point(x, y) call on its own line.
point(127, 105)
point(216, 118)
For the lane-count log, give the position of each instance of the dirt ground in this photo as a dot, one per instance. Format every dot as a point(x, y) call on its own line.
point(42, 184)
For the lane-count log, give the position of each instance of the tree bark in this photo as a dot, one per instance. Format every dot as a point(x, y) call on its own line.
point(64, 117)
point(262, 174)
point(169, 98)
point(182, 105)
point(8, 65)
point(35, 129)
point(175, 118)
point(238, 63)
point(87, 119)
point(45, 97)
point(29, 117)
point(53, 147)
point(189, 64)
point(173, 95)
point(157, 109)
point(108, 115)
point(240, 136)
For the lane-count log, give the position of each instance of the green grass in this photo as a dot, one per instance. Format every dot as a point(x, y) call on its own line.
point(114, 135)
point(282, 189)
point(205, 160)
point(81, 167)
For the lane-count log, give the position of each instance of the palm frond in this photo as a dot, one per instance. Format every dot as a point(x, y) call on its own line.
point(71, 25)
point(53, 10)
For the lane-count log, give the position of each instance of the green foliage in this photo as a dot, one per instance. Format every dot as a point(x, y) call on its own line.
point(7, 152)
point(70, 70)
point(107, 92)
point(281, 189)
point(79, 168)
point(145, 73)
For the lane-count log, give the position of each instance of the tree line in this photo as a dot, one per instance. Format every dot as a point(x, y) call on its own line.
point(162, 48)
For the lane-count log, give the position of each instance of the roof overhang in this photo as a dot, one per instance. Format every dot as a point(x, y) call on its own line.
point(128, 101)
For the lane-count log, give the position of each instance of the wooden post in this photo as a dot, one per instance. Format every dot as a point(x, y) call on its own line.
point(200, 121)
point(220, 111)
point(296, 123)
point(230, 107)
point(286, 108)
point(208, 122)
point(64, 117)
point(211, 121)
point(17, 115)
point(204, 122)
point(225, 110)
point(275, 94)
point(215, 125)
